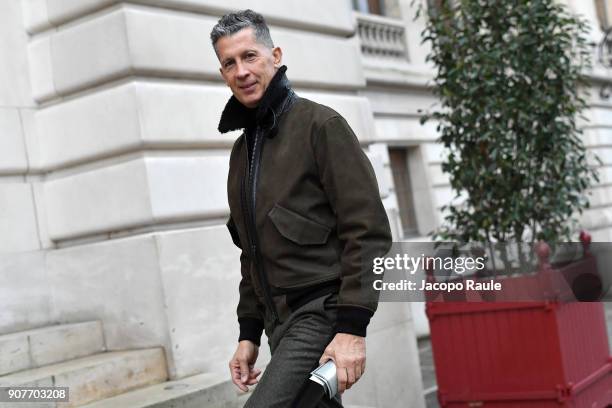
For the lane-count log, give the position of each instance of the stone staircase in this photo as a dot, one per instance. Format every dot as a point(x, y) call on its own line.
point(75, 356)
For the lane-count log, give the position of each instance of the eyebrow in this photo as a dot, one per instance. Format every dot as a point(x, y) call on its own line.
point(226, 60)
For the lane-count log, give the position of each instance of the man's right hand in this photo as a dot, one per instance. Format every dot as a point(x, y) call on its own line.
point(242, 365)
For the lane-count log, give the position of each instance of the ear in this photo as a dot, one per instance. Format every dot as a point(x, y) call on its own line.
point(277, 53)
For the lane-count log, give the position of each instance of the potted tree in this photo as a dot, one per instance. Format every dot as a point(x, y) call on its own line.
point(510, 81)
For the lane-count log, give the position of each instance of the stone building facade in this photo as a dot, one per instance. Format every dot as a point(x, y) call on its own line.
point(112, 173)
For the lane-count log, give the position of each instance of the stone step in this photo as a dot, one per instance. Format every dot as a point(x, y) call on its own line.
point(48, 345)
point(96, 377)
point(208, 390)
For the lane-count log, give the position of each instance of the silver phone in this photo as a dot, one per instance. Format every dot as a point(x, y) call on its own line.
point(325, 375)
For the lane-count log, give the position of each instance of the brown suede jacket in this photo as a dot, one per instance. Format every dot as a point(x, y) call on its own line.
point(305, 210)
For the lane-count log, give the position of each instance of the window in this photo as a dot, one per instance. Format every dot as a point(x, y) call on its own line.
point(398, 158)
point(369, 6)
point(604, 13)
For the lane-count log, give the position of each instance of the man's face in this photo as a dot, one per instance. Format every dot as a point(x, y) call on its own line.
point(247, 66)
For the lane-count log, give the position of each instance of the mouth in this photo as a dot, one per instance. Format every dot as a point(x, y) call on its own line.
point(249, 87)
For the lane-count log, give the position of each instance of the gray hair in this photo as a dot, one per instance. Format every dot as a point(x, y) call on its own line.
point(233, 22)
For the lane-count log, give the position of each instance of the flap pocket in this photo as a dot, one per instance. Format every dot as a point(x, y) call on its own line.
point(298, 228)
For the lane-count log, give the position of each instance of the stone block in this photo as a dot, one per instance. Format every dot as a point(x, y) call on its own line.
point(13, 157)
point(47, 345)
point(590, 137)
point(98, 376)
point(599, 116)
point(105, 199)
point(187, 187)
point(400, 102)
point(200, 273)
point(443, 196)
point(54, 344)
point(160, 114)
point(179, 44)
point(203, 390)
point(433, 152)
point(437, 176)
point(60, 11)
point(94, 51)
point(382, 150)
point(405, 130)
point(383, 172)
point(138, 115)
point(596, 219)
point(601, 196)
point(417, 52)
point(424, 206)
point(14, 353)
point(337, 19)
point(379, 171)
point(120, 42)
point(395, 222)
point(604, 154)
point(40, 15)
point(25, 299)
point(35, 15)
point(188, 114)
point(17, 218)
point(14, 79)
point(171, 49)
point(185, 114)
point(32, 140)
point(41, 68)
point(605, 174)
point(136, 193)
point(93, 126)
point(41, 214)
point(176, 289)
point(304, 53)
point(588, 11)
point(116, 282)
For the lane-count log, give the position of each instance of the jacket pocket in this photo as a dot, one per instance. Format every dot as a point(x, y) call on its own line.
point(297, 228)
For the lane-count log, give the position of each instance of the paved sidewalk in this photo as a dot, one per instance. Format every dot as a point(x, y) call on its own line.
point(428, 370)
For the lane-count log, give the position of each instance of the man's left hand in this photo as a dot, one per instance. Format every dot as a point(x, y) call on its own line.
point(348, 353)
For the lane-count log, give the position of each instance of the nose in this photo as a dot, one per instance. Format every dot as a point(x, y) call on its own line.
point(241, 70)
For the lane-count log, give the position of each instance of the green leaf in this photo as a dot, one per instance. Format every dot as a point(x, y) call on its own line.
point(511, 90)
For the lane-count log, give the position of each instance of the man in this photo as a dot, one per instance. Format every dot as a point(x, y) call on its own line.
point(306, 212)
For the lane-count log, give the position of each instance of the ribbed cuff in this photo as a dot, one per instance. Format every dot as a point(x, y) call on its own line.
point(353, 320)
point(250, 329)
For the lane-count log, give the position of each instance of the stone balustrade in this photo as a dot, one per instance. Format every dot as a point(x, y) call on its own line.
point(381, 37)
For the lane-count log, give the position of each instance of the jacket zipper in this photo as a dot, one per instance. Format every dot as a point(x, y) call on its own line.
point(252, 226)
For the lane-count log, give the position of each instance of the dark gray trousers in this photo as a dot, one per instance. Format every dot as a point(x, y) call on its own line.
point(296, 346)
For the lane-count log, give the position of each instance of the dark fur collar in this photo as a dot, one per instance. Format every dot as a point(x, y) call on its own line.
point(237, 116)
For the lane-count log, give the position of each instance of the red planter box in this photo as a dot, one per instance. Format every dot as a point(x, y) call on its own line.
point(525, 354)
point(521, 354)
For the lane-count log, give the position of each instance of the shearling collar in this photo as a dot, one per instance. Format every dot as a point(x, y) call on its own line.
point(237, 116)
